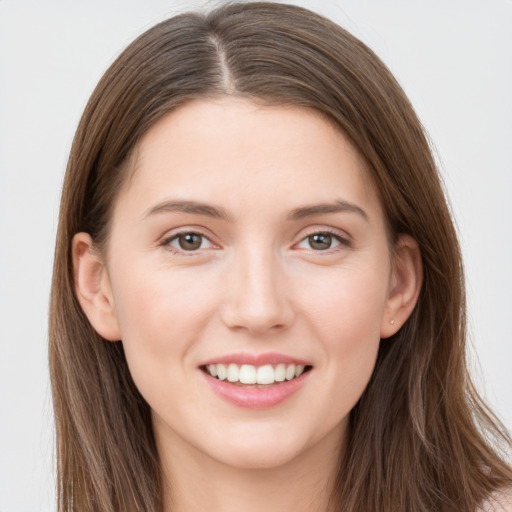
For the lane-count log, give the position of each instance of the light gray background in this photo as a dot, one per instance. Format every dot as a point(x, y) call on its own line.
point(454, 60)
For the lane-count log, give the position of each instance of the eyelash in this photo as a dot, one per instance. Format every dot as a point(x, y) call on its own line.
point(343, 241)
point(166, 242)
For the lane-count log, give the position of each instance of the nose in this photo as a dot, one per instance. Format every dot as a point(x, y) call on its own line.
point(257, 299)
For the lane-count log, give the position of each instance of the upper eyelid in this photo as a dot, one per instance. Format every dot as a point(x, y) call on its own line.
point(165, 242)
point(341, 235)
point(175, 232)
point(338, 233)
point(344, 239)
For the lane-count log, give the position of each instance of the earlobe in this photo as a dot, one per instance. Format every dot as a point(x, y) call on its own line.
point(405, 285)
point(92, 288)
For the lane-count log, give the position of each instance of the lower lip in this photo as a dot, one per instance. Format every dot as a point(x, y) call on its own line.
point(255, 398)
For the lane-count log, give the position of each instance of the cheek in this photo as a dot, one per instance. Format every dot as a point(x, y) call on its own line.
point(161, 315)
point(345, 314)
point(154, 301)
point(348, 302)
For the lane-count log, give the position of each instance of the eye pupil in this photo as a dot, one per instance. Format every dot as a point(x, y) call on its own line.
point(190, 241)
point(320, 241)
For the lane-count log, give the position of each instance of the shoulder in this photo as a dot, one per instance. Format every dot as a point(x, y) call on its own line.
point(499, 502)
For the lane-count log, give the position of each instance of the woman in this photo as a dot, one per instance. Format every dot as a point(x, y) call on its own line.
point(258, 294)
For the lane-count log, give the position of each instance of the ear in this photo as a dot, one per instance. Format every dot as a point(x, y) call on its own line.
point(92, 287)
point(404, 285)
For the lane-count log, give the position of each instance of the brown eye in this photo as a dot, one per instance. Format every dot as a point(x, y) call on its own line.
point(190, 241)
point(320, 241)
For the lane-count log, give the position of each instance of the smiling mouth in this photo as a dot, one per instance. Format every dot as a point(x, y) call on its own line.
point(248, 375)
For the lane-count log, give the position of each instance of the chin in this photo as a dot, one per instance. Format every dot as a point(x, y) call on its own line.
point(255, 457)
point(266, 446)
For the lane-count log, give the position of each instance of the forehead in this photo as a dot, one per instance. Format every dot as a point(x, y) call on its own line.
point(211, 150)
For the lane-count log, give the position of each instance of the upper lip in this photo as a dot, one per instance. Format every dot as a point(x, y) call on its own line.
point(272, 358)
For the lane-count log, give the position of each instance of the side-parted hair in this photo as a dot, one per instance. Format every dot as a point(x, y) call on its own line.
point(420, 438)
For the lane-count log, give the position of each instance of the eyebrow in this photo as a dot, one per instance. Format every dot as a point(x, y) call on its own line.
point(194, 207)
point(216, 212)
point(325, 208)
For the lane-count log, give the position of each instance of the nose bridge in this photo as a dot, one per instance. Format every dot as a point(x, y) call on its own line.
point(257, 299)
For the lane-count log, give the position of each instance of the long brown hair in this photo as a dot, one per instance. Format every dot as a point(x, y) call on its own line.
point(420, 438)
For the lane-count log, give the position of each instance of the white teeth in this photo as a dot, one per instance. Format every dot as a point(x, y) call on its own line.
point(290, 372)
point(233, 373)
point(265, 374)
point(249, 374)
point(221, 372)
point(280, 373)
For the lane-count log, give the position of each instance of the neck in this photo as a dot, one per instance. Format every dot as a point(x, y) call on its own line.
point(198, 482)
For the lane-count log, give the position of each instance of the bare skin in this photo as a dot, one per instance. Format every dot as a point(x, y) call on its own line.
point(302, 485)
point(248, 232)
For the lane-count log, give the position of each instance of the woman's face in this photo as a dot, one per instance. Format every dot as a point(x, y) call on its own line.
point(249, 243)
